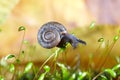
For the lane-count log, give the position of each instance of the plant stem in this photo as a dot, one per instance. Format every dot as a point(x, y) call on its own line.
point(107, 55)
point(19, 53)
point(43, 65)
point(21, 45)
point(97, 76)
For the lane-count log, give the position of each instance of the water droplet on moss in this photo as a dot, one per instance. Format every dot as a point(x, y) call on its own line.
point(92, 25)
point(101, 40)
point(21, 28)
point(116, 37)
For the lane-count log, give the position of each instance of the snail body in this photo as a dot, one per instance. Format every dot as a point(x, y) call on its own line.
point(54, 34)
point(71, 39)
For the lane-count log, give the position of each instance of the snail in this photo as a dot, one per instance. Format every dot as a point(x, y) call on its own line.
point(54, 34)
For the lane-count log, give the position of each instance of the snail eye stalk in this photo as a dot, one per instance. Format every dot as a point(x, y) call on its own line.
point(81, 41)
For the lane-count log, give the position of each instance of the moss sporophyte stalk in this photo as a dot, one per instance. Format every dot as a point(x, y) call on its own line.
point(54, 68)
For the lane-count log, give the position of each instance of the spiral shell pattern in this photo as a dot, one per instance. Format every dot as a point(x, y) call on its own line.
point(49, 35)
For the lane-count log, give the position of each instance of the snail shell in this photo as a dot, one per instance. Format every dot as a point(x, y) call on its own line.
point(50, 34)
